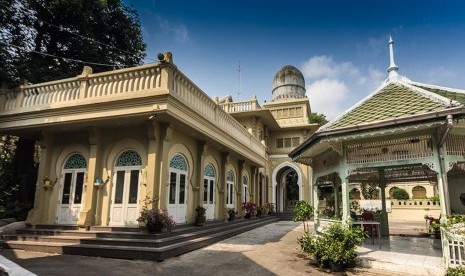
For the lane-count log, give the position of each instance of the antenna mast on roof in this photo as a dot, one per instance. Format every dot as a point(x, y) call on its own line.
point(239, 81)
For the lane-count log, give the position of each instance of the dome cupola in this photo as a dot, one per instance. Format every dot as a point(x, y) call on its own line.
point(288, 83)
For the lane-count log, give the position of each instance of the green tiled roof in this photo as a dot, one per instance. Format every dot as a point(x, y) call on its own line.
point(394, 100)
point(452, 94)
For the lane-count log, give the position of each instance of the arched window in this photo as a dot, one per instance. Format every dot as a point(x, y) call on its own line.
point(209, 186)
point(245, 181)
point(128, 158)
point(418, 192)
point(76, 161)
point(230, 188)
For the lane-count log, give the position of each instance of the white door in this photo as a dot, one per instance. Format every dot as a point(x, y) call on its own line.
point(209, 196)
point(177, 195)
point(124, 209)
point(230, 190)
point(70, 196)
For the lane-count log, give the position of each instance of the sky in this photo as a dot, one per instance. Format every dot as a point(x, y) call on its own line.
point(340, 46)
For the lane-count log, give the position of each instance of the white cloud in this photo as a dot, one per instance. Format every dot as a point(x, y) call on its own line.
point(326, 67)
point(180, 32)
point(441, 75)
point(327, 96)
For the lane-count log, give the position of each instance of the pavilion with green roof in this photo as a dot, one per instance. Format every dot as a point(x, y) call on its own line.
point(403, 131)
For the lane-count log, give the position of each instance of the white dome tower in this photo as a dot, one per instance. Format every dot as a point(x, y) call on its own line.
point(288, 83)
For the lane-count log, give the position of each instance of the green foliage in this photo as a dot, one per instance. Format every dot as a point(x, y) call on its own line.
point(303, 211)
point(200, 211)
point(151, 214)
point(317, 118)
point(434, 198)
point(8, 183)
point(232, 213)
point(369, 190)
point(336, 244)
point(400, 194)
point(455, 271)
point(108, 32)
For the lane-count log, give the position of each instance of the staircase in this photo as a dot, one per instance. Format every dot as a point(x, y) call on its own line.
point(128, 243)
point(286, 215)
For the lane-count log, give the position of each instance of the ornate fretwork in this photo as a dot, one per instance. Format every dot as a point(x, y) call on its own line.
point(209, 170)
point(129, 158)
point(230, 176)
point(451, 165)
point(455, 145)
point(178, 162)
point(337, 146)
point(390, 150)
point(415, 172)
point(76, 161)
point(326, 161)
point(431, 166)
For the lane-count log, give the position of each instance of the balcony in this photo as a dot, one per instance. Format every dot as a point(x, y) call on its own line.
point(103, 98)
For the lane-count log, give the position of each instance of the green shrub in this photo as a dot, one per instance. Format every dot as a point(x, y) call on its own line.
point(455, 271)
point(335, 245)
point(400, 194)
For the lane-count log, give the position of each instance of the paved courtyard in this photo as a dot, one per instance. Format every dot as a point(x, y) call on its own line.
point(268, 250)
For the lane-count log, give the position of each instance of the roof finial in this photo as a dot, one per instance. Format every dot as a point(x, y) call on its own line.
point(392, 70)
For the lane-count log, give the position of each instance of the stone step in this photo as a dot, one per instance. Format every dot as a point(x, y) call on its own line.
point(137, 252)
point(121, 239)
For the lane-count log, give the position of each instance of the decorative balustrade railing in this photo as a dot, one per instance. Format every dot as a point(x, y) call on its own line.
point(142, 81)
point(142, 78)
point(240, 106)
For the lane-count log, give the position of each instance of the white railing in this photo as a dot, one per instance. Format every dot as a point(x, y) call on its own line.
point(46, 93)
point(241, 106)
point(137, 79)
point(145, 81)
point(454, 247)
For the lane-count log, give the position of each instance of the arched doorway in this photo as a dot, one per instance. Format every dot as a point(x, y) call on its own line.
point(287, 187)
point(209, 191)
point(125, 191)
point(177, 192)
point(71, 189)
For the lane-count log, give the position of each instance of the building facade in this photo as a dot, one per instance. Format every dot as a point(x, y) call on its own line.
point(112, 141)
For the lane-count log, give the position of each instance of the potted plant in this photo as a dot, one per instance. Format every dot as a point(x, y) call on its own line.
point(232, 213)
point(261, 211)
point(270, 209)
point(250, 209)
point(434, 226)
point(200, 217)
point(156, 220)
point(335, 247)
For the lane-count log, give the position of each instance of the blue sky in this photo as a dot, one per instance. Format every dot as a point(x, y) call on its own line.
point(340, 46)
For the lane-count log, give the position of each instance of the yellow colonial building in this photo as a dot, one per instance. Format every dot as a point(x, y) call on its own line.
point(111, 140)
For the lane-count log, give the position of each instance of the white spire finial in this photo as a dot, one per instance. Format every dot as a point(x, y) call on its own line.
point(392, 70)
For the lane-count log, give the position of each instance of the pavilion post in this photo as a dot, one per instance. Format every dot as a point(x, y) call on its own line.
point(384, 216)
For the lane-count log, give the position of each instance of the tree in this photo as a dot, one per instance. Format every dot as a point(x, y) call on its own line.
point(400, 194)
point(318, 118)
point(44, 40)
